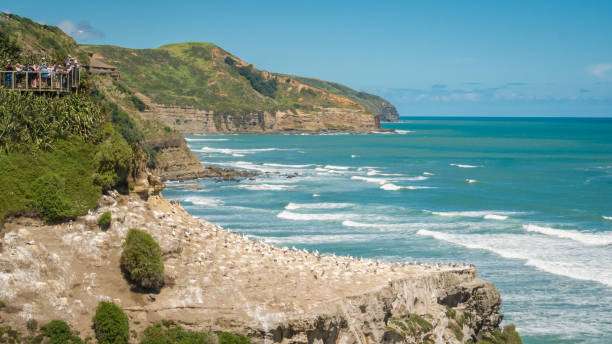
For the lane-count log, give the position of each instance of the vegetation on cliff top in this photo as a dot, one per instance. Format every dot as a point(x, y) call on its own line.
point(36, 40)
point(370, 102)
point(207, 77)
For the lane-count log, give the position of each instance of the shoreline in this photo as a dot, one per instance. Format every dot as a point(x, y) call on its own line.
point(260, 290)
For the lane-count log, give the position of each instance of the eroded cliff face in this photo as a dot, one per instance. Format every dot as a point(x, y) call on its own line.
point(389, 113)
point(218, 280)
point(188, 120)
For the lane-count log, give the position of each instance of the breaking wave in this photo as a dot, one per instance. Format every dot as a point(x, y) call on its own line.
point(585, 238)
point(543, 253)
point(293, 206)
point(288, 215)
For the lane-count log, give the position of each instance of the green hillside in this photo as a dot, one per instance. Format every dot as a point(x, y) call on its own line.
point(372, 103)
point(36, 40)
point(207, 77)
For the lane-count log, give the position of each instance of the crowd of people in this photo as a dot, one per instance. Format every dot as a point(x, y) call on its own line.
point(42, 75)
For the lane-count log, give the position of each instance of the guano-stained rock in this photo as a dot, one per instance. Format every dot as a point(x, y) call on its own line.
point(219, 280)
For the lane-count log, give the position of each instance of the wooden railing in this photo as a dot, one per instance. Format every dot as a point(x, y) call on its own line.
point(60, 82)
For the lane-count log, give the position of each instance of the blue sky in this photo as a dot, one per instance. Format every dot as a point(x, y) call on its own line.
point(427, 57)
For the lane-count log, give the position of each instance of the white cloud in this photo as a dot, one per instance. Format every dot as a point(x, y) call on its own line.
point(80, 31)
point(600, 70)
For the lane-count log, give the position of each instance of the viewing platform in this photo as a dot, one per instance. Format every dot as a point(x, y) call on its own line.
point(31, 81)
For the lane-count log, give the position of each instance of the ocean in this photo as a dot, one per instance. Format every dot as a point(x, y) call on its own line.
point(528, 201)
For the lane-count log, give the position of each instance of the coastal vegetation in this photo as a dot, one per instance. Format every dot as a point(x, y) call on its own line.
point(141, 260)
point(370, 102)
point(104, 221)
point(206, 77)
point(110, 324)
point(57, 155)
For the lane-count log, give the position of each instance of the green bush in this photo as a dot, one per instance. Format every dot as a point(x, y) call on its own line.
point(267, 88)
point(110, 324)
point(59, 332)
point(167, 332)
point(230, 338)
point(104, 220)
point(139, 104)
point(507, 336)
point(113, 159)
point(141, 260)
point(48, 199)
point(32, 325)
point(59, 184)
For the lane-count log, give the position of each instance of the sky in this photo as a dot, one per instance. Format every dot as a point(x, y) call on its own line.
point(483, 58)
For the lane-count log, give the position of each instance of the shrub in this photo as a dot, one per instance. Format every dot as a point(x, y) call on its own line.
point(110, 324)
point(59, 332)
point(167, 332)
point(32, 325)
point(104, 220)
point(230, 338)
point(113, 159)
point(141, 260)
point(2, 304)
point(139, 104)
point(48, 198)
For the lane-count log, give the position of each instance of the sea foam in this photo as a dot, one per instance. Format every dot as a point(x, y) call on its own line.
point(264, 187)
point(585, 238)
point(293, 206)
point(544, 253)
point(288, 215)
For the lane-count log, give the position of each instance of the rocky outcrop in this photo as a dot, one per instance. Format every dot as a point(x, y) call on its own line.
point(389, 113)
point(189, 120)
point(218, 280)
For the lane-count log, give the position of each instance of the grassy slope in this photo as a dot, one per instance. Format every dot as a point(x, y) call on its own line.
point(372, 103)
point(36, 40)
point(197, 74)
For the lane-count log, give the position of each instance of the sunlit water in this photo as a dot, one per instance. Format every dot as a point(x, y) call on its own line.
point(528, 201)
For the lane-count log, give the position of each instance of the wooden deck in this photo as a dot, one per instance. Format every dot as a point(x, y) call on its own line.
point(54, 82)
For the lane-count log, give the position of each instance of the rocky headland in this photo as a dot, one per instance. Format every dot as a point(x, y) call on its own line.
point(219, 280)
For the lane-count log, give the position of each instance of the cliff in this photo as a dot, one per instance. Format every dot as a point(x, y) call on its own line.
point(218, 280)
point(229, 95)
point(374, 104)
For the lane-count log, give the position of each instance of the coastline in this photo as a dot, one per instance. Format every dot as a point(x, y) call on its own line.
point(220, 280)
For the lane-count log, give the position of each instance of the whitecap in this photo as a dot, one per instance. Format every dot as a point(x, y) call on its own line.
point(334, 167)
point(349, 223)
point(404, 131)
point(204, 201)
point(380, 181)
point(464, 166)
point(200, 140)
point(607, 217)
point(470, 181)
point(293, 206)
point(354, 156)
point(417, 178)
point(393, 187)
point(316, 195)
point(550, 254)
point(287, 166)
point(264, 187)
point(428, 174)
point(229, 151)
point(318, 239)
point(585, 238)
point(288, 215)
point(495, 217)
point(478, 213)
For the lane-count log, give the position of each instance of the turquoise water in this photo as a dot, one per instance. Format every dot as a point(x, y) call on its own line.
point(528, 201)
